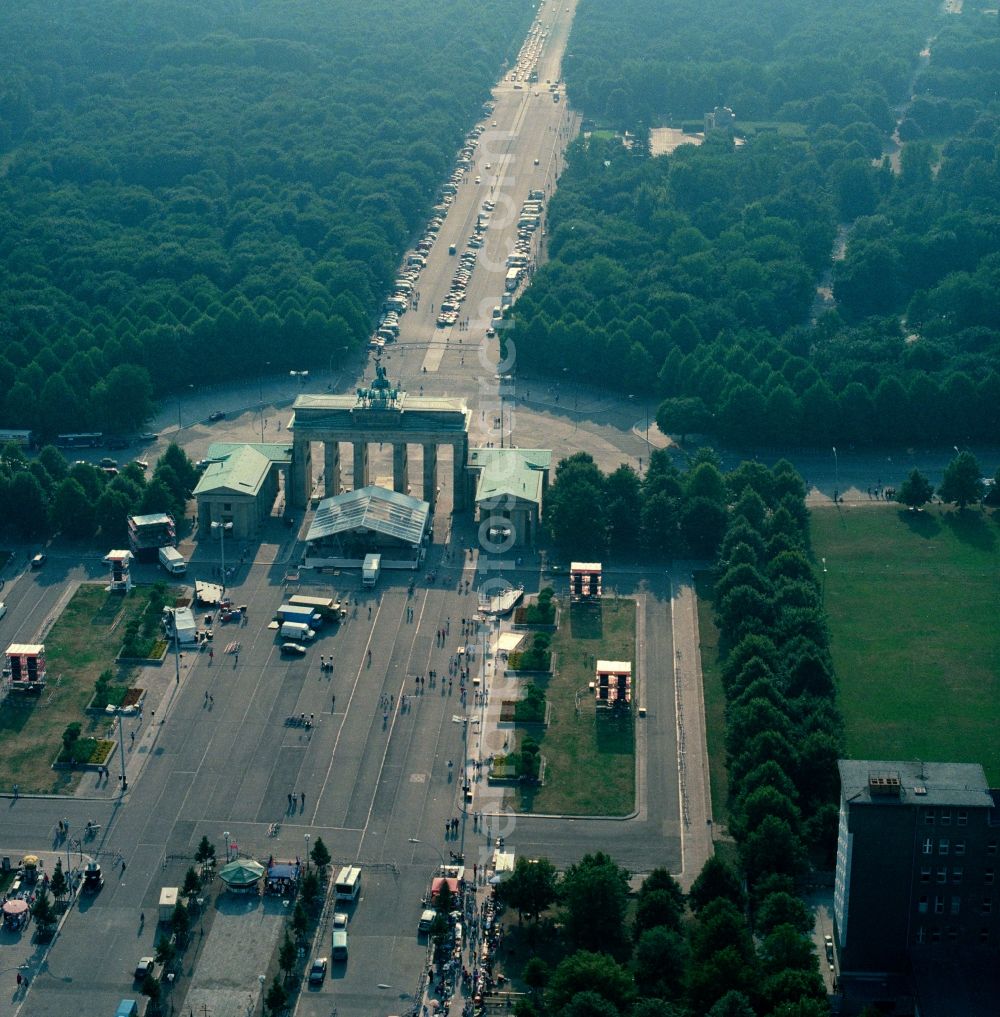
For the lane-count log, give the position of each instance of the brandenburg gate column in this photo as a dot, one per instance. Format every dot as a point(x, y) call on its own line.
point(360, 464)
point(400, 467)
point(331, 468)
point(301, 473)
point(459, 479)
point(430, 473)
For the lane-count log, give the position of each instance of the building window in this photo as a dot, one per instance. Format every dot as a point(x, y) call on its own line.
point(942, 874)
point(929, 816)
point(956, 905)
point(987, 906)
point(921, 934)
point(991, 847)
point(959, 847)
point(939, 905)
point(946, 817)
point(925, 874)
point(943, 846)
point(227, 506)
point(952, 933)
point(962, 817)
point(922, 905)
point(956, 874)
point(984, 935)
point(988, 877)
point(935, 935)
point(928, 846)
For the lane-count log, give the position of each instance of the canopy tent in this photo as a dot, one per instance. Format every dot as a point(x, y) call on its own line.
point(241, 874)
point(15, 907)
point(439, 881)
point(30, 861)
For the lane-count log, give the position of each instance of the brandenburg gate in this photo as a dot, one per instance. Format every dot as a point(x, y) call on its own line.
point(384, 415)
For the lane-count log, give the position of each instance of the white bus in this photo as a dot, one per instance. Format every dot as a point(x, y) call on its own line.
point(348, 884)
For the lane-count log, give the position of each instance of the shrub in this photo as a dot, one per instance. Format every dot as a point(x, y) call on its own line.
point(530, 709)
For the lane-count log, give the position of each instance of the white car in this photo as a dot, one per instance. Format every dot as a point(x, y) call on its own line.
point(340, 920)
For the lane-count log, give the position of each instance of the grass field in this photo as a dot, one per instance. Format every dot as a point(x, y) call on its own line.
point(589, 760)
point(912, 601)
point(81, 644)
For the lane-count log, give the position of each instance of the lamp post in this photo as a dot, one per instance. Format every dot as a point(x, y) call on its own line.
point(822, 596)
point(260, 380)
point(121, 744)
point(260, 979)
point(179, 425)
point(836, 471)
point(225, 834)
point(307, 852)
point(221, 527)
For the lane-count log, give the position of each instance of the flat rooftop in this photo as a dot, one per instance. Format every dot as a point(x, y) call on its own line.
point(957, 784)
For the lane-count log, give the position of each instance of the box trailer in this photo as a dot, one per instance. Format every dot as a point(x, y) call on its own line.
point(370, 569)
point(172, 561)
point(169, 896)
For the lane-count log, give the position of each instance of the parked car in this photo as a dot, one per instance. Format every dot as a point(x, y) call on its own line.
point(217, 415)
point(318, 971)
point(144, 967)
point(293, 649)
point(39, 560)
point(340, 919)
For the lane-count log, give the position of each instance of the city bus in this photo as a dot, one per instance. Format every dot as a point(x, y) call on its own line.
point(22, 438)
point(90, 439)
point(348, 884)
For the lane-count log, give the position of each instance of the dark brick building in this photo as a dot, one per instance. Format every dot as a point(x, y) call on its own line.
point(917, 863)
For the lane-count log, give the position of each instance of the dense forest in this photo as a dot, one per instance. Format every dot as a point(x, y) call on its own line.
point(694, 276)
point(190, 190)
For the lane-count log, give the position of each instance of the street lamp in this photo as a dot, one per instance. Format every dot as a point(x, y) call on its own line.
point(260, 979)
point(822, 596)
point(121, 742)
point(221, 527)
point(836, 473)
point(307, 852)
point(267, 363)
point(225, 834)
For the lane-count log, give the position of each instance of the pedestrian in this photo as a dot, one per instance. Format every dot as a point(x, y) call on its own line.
point(132, 736)
point(206, 695)
point(211, 654)
point(19, 979)
point(236, 658)
point(123, 866)
point(303, 799)
point(211, 700)
point(289, 799)
point(334, 703)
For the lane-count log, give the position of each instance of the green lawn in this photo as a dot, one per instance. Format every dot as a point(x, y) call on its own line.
point(912, 600)
point(82, 643)
point(589, 760)
point(715, 699)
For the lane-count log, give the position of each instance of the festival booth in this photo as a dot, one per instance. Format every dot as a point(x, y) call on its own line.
point(585, 579)
point(613, 685)
point(282, 878)
point(242, 875)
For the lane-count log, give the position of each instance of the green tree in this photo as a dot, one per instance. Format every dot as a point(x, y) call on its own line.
point(589, 1004)
point(716, 880)
point(180, 923)
point(58, 884)
point(276, 997)
point(732, 1004)
point(205, 852)
point(320, 855)
point(531, 888)
point(300, 923)
point(659, 902)
point(165, 951)
point(43, 913)
point(963, 481)
point(915, 491)
point(594, 893)
point(287, 953)
point(589, 972)
point(782, 908)
point(310, 889)
point(192, 884)
point(536, 974)
point(660, 962)
point(151, 987)
point(26, 505)
point(575, 511)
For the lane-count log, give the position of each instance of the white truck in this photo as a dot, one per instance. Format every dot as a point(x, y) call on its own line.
point(297, 631)
point(173, 561)
point(370, 569)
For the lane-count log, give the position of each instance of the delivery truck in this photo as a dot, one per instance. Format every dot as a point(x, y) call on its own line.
point(299, 613)
point(173, 561)
point(370, 569)
point(169, 896)
point(298, 631)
